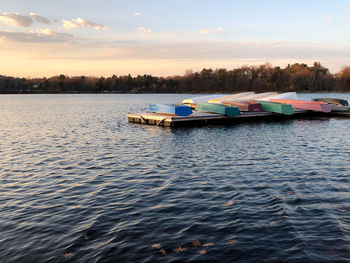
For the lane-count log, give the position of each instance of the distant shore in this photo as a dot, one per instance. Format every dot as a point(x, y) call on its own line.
point(296, 77)
point(194, 94)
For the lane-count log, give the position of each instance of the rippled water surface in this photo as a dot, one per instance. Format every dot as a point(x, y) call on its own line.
point(78, 183)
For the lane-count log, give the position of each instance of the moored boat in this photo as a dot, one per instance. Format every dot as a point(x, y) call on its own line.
point(338, 105)
point(305, 105)
point(258, 96)
point(286, 95)
point(335, 101)
point(244, 106)
point(230, 111)
point(201, 99)
point(232, 97)
point(179, 110)
point(266, 105)
point(276, 107)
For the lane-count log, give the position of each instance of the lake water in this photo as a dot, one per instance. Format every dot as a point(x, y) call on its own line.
point(78, 183)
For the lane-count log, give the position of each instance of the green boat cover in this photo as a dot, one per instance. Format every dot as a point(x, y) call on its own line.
point(283, 108)
point(218, 108)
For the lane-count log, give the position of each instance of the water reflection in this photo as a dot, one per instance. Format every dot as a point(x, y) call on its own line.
point(79, 183)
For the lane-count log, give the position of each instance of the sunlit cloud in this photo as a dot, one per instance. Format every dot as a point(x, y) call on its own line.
point(48, 32)
point(74, 58)
point(144, 30)
point(206, 31)
point(137, 14)
point(41, 36)
point(56, 53)
point(344, 19)
point(220, 29)
point(328, 17)
point(82, 23)
point(186, 52)
point(211, 31)
point(40, 19)
point(229, 51)
point(15, 19)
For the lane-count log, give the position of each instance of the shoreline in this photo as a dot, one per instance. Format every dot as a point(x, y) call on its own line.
point(149, 93)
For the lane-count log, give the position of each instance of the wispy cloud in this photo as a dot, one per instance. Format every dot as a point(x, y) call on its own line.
point(82, 23)
point(41, 36)
point(144, 30)
point(15, 19)
point(218, 50)
point(137, 14)
point(40, 19)
point(328, 17)
point(344, 19)
point(163, 59)
point(206, 31)
point(211, 31)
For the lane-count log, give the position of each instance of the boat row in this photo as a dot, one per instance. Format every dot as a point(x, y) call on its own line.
point(235, 104)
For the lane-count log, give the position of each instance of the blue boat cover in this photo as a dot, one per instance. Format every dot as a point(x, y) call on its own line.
point(180, 110)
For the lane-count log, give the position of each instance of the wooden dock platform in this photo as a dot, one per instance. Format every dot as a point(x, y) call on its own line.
point(204, 118)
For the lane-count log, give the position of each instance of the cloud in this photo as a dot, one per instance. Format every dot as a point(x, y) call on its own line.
point(15, 19)
point(41, 36)
point(206, 31)
point(220, 50)
point(211, 31)
point(40, 59)
point(328, 17)
point(344, 19)
point(40, 19)
point(137, 14)
point(144, 30)
point(82, 23)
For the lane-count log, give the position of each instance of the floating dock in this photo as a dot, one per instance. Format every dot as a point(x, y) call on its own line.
point(204, 118)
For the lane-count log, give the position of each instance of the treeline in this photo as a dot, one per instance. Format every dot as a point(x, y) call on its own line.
point(296, 77)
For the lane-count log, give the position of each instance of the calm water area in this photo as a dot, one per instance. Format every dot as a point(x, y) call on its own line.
point(78, 183)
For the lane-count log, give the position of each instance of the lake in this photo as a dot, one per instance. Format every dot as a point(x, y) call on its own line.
point(78, 183)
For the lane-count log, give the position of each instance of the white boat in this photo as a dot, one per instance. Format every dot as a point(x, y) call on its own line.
point(231, 97)
point(282, 96)
point(258, 96)
point(201, 99)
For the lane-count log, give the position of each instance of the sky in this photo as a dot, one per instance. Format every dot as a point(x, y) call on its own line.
point(164, 38)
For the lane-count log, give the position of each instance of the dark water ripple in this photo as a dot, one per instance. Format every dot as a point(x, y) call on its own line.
point(80, 184)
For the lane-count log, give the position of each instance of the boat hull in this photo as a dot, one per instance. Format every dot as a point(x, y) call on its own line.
point(335, 101)
point(258, 96)
point(284, 96)
point(201, 99)
point(179, 110)
point(232, 97)
point(306, 105)
point(282, 108)
point(231, 111)
point(244, 106)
